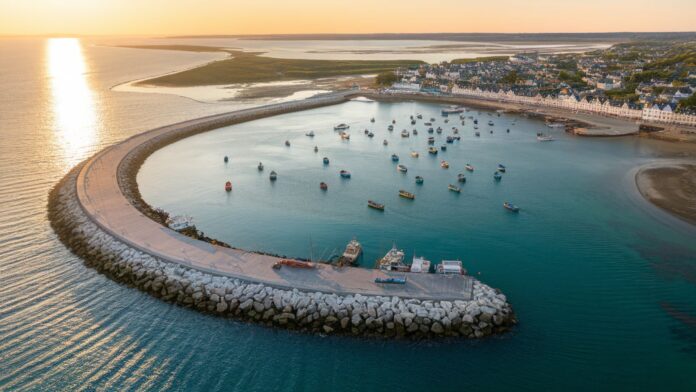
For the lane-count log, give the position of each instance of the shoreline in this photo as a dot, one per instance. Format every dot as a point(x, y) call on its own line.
point(670, 187)
point(102, 218)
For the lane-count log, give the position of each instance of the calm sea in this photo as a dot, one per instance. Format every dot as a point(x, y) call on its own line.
point(603, 284)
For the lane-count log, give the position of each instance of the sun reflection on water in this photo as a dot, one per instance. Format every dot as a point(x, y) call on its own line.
point(74, 118)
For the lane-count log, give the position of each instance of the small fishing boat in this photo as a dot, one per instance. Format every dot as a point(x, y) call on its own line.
point(413, 122)
point(414, 132)
point(491, 131)
point(419, 116)
point(427, 124)
point(401, 168)
point(446, 120)
point(316, 149)
point(226, 159)
point(475, 126)
point(475, 121)
point(431, 140)
point(452, 110)
point(375, 205)
point(310, 134)
point(454, 188)
point(344, 174)
point(273, 176)
point(370, 134)
point(390, 128)
point(405, 133)
point(455, 130)
point(395, 158)
point(419, 180)
point(477, 134)
point(393, 121)
point(432, 119)
point(372, 119)
point(431, 130)
point(326, 160)
point(391, 280)
point(366, 131)
point(555, 125)
point(443, 147)
point(461, 177)
point(511, 207)
point(507, 130)
point(406, 195)
point(345, 135)
point(341, 127)
point(414, 154)
point(260, 166)
point(444, 164)
point(450, 139)
point(287, 143)
point(323, 186)
point(497, 176)
point(385, 142)
point(501, 168)
point(432, 150)
point(544, 138)
point(228, 186)
point(469, 167)
point(439, 130)
point(490, 123)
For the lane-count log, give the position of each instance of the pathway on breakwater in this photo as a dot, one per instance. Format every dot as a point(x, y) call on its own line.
point(102, 199)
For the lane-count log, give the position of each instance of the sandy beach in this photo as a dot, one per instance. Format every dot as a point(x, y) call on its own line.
point(671, 187)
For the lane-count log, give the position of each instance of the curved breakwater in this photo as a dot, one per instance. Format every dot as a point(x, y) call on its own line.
point(98, 213)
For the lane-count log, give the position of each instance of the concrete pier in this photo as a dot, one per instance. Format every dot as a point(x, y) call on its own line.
point(94, 212)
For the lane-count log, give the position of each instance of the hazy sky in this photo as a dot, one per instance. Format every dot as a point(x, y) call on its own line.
point(136, 17)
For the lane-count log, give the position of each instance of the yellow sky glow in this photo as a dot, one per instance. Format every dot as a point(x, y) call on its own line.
point(180, 17)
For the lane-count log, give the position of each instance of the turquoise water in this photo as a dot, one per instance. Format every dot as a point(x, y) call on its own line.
point(603, 284)
point(596, 276)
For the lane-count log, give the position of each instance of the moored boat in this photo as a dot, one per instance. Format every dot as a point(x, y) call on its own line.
point(444, 164)
point(544, 138)
point(427, 124)
point(414, 154)
point(226, 159)
point(287, 143)
point(419, 116)
point(419, 180)
point(432, 150)
point(454, 188)
point(341, 127)
point(401, 168)
point(452, 110)
point(414, 132)
point(405, 133)
point(511, 207)
point(345, 135)
point(501, 168)
point(326, 160)
point(420, 265)
point(375, 205)
point(323, 186)
point(497, 176)
point(385, 142)
point(477, 134)
point(372, 119)
point(431, 140)
point(310, 134)
point(461, 177)
point(352, 252)
point(395, 158)
point(490, 122)
point(316, 149)
point(450, 139)
point(260, 166)
point(344, 174)
point(469, 167)
point(393, 261)
point(370, 134)
point(450, 267)
point(273, 175)
point(228, 186)
point(439, 130)
point(390, 128)
point(406, 195)
point(443, 147)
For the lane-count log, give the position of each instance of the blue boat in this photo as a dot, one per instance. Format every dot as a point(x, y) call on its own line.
point(326, 160)
point(497, 176)
point(345, 174)
point(391, 280)
point(395, 158)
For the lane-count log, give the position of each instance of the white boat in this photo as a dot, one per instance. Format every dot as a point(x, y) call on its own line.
point(420, 265)
point(452, 110)
point(345, 135)
point(405, 133)
point(555, 125)
point(352, 252)
point(545, 138)
point(414, 154)
point(341, 127)
point(393, 261)
point(450, 267)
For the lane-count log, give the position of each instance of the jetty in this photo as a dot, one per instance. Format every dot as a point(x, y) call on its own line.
point(97, 211)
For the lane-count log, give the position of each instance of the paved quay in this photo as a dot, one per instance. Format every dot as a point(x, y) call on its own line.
point(103, 201)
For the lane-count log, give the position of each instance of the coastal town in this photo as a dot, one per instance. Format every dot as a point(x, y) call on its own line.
point(652, 82)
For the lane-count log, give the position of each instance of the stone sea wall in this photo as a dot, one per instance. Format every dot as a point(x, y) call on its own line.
point(486, 314)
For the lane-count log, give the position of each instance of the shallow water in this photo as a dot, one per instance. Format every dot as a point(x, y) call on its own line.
point(607, 306)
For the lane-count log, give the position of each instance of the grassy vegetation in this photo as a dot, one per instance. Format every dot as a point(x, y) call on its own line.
point(488, 59)
point(245, 67)
point(386, 78)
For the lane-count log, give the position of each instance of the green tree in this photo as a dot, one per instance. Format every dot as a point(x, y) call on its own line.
point(386, 78)
point(510, 78)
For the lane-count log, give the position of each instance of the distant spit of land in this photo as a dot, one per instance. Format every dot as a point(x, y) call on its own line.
point(251, 67)
point(670, 187)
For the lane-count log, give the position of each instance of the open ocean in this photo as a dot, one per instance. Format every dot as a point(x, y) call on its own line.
point(603, 283)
